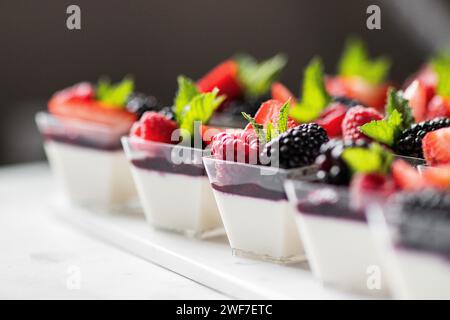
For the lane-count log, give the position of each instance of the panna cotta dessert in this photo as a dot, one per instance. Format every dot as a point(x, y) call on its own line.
point(414, 234)
point(247, 169)
point(166, 163)
point(82, 132)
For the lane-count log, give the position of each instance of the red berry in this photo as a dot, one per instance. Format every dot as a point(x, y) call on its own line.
point(366, 188)
point(331, 119)
point(79, 91)
point(437, 177)
point(358, 89)
point(224, 77)
point(417, 98)
point(427, 78)
point(406, 176)
point(355, 118)
point(154, 126)
point(242, 146)
point(91, 110)
point(281, 93)
point(436, 147)
point(269, 112)
point(438, 107)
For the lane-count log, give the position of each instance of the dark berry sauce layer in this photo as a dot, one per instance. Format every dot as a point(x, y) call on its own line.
point(332, 210)
point(163, 165)
point(80, 141)
point(251, 190)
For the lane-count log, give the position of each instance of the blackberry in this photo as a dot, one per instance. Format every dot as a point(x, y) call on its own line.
point(168, 112)
point(332, 169)
point(296, 147)
point(139, 103)
point(348, 102)
point(424, 221)
point(410, 141)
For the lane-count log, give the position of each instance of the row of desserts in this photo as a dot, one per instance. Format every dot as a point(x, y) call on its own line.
point(248, 169)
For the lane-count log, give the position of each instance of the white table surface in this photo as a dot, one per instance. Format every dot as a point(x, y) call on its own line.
point(41, 256)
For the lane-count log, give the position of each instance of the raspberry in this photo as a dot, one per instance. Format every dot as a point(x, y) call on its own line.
point(154, 126)
point(241, 146)
point(355, 118)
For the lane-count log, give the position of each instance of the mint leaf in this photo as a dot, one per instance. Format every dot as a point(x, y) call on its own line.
point(187, 90)
point(315, 97)
point(256, 78)
point(396, 101)
point(200, 108)
point(259, 128)
point(385, 131)
point(271, 132)
point(114, 95)
point(355, 61)
point(441, 65)
point(368, 160)
point(283, 118)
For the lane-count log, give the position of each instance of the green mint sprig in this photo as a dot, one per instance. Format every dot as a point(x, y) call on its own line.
point(187, 90)
point(355, 61)
point(398, 118)
point(374, 159)
point(114, 95)
point(315, 97)
point(441, 66)
point(270, 132)
point(257, 77)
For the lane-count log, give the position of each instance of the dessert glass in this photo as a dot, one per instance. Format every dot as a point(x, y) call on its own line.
point(173, 187)
point(88, 162)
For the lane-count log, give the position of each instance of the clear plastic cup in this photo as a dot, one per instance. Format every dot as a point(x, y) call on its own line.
point(88, 161)
point(253, 205)
point(173, 187)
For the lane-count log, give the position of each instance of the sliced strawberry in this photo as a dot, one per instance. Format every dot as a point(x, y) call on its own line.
point(417, 97)
point(91, 110)
point(406, 176)
point(224, 77)
point(331, 119)
point(427, 78)
point(357, 88)
point(437, 177)
point(281, 93)
point(79, 91)
point(436, 147)
point(268, 113)
point(438, 107)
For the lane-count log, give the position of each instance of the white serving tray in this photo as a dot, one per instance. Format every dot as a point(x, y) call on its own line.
point(208, 262)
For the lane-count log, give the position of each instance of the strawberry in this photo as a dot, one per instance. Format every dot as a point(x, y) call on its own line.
point(79, 91)
point(331, 119)
point(437, 177)
point(438, 107)
point(416, 95)
point(281, 93)
point(436, 146)
point(406, 176)
point(428, 79)
point(90, 110)
point(358, 89)
point(224, 77)
point(154, 126)
point(240, 146)
point(355, 118)
point(268, 112)
point(369, 187)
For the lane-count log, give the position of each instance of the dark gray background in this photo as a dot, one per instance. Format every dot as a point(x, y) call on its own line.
point(155, 40)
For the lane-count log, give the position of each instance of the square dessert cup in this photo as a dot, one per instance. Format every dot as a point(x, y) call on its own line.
point(255, 212)
point(415, 250)
point(336, 236)
point(173, 187)
point(88, 161)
